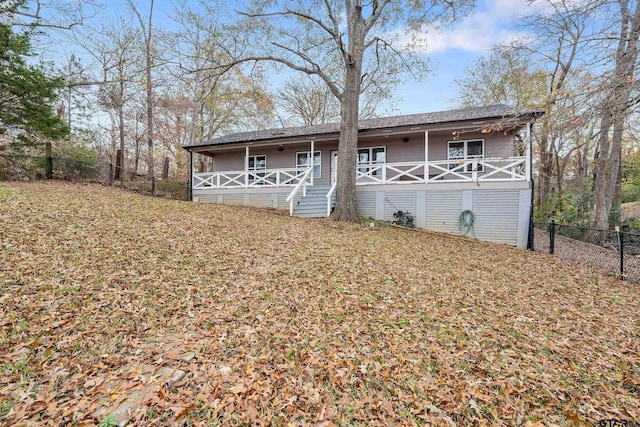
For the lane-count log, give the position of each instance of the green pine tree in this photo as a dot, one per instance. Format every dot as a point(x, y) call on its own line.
point(27, 95)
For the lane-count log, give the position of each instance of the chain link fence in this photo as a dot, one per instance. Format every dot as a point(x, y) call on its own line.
point(29, 168)
point(614, 252)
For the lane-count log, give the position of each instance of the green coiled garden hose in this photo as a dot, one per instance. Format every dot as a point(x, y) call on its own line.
point(465, 221)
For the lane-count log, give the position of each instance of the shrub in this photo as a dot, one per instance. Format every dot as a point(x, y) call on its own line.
point(631, 191)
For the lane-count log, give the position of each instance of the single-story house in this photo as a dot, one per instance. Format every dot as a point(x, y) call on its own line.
point(440, 166)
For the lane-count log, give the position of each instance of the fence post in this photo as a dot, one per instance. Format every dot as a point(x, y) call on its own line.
point(153, 185)
point(49, 161)
point(552, 236)
point(110, 173)
point(531, 235)
point(621, 240)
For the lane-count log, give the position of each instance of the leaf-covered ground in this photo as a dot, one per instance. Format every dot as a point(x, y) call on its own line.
point(296, 322)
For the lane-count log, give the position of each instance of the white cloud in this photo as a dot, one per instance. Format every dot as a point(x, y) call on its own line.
point(479, 31)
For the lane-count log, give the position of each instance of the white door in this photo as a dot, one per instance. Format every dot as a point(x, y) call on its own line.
point(334, 166)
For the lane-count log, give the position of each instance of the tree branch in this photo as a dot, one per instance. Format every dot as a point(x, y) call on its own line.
point(336, 31)
point(335, 90)
point(294, 13)
point(378, 8)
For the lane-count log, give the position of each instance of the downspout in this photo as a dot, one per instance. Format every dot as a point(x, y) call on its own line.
point(246, 167)
point(530, 245)
point(426, 156)
point(313, 162)
point(190, 176)
point(529, 152)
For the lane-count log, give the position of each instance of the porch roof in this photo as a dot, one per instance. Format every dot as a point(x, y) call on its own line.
point(493, 112)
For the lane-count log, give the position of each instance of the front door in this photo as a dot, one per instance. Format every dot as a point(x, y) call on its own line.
point(334, 166)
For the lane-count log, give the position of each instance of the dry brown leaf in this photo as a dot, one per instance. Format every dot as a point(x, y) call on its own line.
point(293, 319)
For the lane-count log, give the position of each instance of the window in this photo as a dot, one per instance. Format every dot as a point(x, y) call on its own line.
point(257, 163)
point(465, 151)
point(302, 161)
point(368, 158)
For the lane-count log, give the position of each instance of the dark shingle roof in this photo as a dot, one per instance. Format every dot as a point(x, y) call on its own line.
point(438, 117)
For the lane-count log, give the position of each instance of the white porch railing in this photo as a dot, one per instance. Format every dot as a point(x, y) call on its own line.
point(472, 170)
point(289, 177)
point(304, 181)
point(390, 173)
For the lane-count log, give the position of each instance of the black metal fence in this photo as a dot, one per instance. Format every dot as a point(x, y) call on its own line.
point(29, 168)
point(615, 252)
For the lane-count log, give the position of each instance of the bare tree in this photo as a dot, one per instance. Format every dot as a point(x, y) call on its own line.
point(615, 108)
point(588, 52)
point(562, 34)
point(47, 14)
point(220, 102)
point(307, 102)
point(344, 44)
point(505, 76)
point(113, 51)
point(147, 31)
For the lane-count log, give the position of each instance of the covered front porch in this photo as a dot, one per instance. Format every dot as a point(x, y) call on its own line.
point(437, 171)
point(387, 158)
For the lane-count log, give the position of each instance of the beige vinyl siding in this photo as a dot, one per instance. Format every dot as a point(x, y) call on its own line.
point(495, 145)
point(496, 214)
point(442, 210)
point(233, 159)
point(403, 200)
point(367, 203)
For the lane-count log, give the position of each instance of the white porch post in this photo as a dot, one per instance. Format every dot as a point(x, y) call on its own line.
point(528, 153)
point(313, 161)
point(246, 166)
point(426, 156)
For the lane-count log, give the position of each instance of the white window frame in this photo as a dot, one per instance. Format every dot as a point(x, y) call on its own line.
point(466, 156)
point(255, 161)
point(317, 153)
point(363, 165)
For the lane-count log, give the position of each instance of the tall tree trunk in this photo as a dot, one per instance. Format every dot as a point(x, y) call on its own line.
point(545, 170)
point(615, 213)
point(148, 32)
point(600, 219)
point(149, 99)
point(614, 113)
point(346, 201)
point(121, 125)
point(614, 192)
point(136, 160)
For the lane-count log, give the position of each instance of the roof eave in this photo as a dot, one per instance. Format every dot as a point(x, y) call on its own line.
point(517, 120)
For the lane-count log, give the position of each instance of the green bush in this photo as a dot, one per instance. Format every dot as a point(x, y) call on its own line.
point(633, 223)
point(631, 191)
